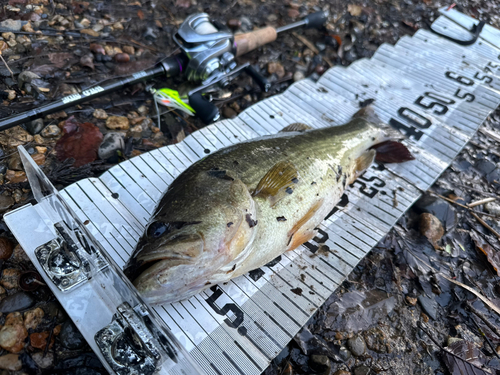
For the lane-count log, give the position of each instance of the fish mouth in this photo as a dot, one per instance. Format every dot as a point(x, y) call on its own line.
point(136, 268)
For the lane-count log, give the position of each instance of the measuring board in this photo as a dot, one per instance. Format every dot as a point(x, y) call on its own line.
point(435, 91)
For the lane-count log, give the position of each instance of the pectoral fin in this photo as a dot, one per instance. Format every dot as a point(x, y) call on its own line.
point(295, 127)
point(301, 231)
point(363, 162)
point(277, 182)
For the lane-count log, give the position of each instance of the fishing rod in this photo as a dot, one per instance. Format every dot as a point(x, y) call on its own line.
point(207, 56)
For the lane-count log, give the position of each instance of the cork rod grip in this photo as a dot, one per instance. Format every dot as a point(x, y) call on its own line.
point(250, 41)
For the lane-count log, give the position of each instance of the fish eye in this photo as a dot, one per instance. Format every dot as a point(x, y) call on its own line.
point(157, 229)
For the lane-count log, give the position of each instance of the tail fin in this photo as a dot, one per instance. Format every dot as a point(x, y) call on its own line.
point(368, 114)
point(392, 152)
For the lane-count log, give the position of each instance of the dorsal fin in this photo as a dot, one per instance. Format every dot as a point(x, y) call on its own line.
point(277, 182)
point(296, 127)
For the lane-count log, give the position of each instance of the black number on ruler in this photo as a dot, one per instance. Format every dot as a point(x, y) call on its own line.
point(493, 65)
point(319, 240)
point(225, 309)
point(369, 193)
point(414, 117)
point(484, 78)
point(460, 79)
point(409, 131)
point(465, 95)
point(440, 102)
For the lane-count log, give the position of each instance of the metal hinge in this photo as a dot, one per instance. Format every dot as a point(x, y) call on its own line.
point(69, 263)
point(130, 345)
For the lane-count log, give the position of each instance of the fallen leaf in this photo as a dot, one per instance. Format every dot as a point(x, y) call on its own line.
point(462, 357)
point(88, 61)
point(60, 59)
point(355, 10)
point(492, 255)
point(79, 142)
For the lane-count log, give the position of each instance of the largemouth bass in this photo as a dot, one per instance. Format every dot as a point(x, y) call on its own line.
point(244, 205)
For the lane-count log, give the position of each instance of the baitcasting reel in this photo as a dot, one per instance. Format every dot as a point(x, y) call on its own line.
point(209, 50)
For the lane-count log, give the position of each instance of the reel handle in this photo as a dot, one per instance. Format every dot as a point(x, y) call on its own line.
point(249, 41)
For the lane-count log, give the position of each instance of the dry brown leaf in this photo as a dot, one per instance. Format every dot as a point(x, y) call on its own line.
point(492, 255)
point(140, 14)
point(60, 59)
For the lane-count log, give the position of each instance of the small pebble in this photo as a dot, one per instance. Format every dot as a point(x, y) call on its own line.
point(70, 336)
point(6, 248)
point(298, 75)
point(356, 345)
point(10, 362)
point(19, 301)
point(228, 112)
point(43, 360)
point(100, 114)
point(13, 333)
point(35, 126)
point(38, 340)
point(276, 68)
point(122, 57)
point(129, 49)
point(41, 149)
point(33, 318)
point(50, 131)
point(111, 143)
point(15, 177)
point(320, 363)
point(412, 301)
point(10, 278)
point(117, 123)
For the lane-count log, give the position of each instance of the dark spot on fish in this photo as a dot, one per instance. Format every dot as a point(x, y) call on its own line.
point(274, 262)
point(295, 180)
point(373, 139)
point(313, 183)
point(250, 221)
point(219, 174)
point(115, 195)
point(289, 190)
point(323, 90)
point(232, 269)
point(302, 277)
point(289, 240)
point(271, 116)
point(401, 188)
point(344, 181)
point(383, 192)
point(366, 103)
point(297, 291)
point(236, 162)
point(208, 283)
point(206, 151)
point(281, 218)
point(310, 292)
point(359, 209)
point(229, 224)
point(86, 222)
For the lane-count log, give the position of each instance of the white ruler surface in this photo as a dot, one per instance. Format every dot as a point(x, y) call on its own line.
point(435, 91)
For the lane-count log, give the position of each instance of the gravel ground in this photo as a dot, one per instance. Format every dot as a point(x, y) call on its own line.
point(392, 316)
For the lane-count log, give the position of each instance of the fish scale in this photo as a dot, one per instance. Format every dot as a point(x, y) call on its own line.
point(263, 303)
